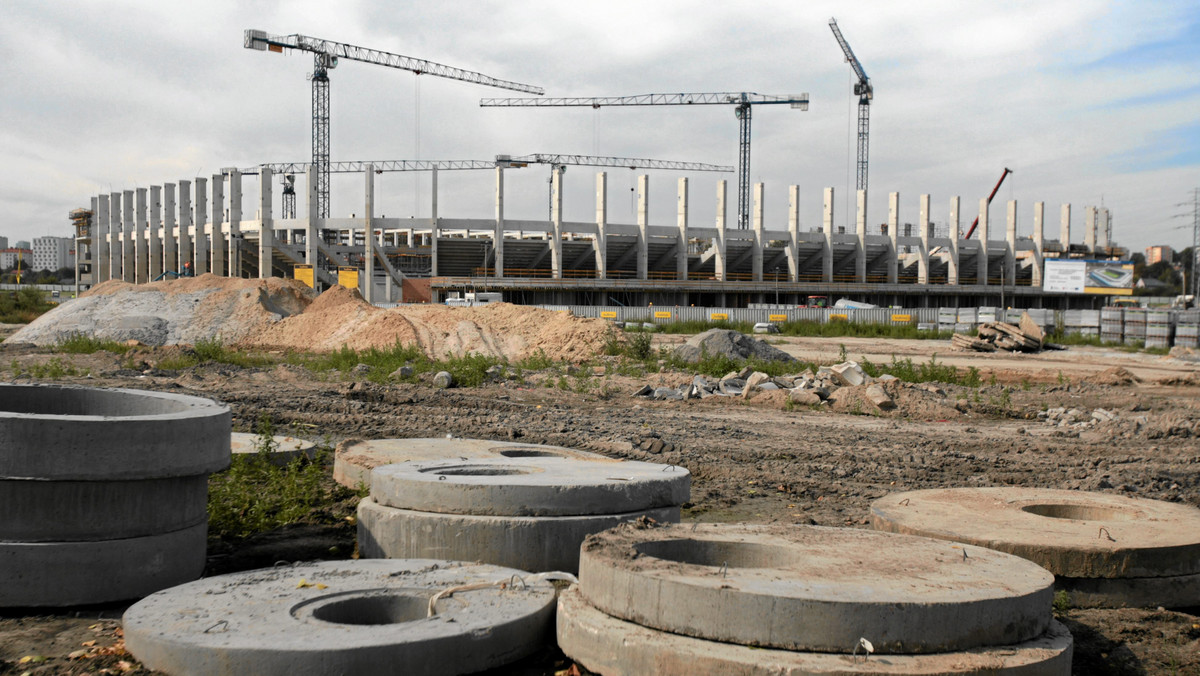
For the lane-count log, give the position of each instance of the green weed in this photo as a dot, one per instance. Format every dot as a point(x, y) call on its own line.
point(78, 343)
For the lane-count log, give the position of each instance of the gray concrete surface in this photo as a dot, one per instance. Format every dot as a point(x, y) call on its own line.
point(355, 458)
point(1071, 533)
point(46, 574)
point(814, 588)
point(285, 448)
point(343, 617)
point(614, 647)
point(530, 486)
point(533, 543)
point(1175, 591)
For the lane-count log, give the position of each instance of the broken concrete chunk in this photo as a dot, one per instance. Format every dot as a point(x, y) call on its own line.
point(804, 397)
point(849, 373)
point(878, 396)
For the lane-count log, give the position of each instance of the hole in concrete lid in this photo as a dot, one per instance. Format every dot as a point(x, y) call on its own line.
point(531, 453)
point(374, 609)
point(718, 553)
point(476, 470)
point(1081, 512)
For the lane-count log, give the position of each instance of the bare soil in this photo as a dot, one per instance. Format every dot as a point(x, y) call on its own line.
point(754, 460)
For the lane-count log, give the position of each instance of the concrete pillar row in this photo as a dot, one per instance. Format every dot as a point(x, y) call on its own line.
point(100, 255)
point(266, 217)
point(793, 247)
point(893, 253)
point(643, 221)
point(128, 254)
point(154, 242)
point(721, 259)
point(235, 224)
point(756, 252)
point(952, 266)
point(498, 235)
point(368, 284)
point(1089, 230)
point(860, 229)
point(200, 226)
point(141, 250)
point(186, 223)
point(1102, 228)
point(1010, 244)
point(170, 236)
point(681, 221)
point(434, 228)
point(1065, 230)
point(216, 242)
point(923, 249)
point(116, 236)
point(1039, 239)
point(556, 216)
point(601, 241)
point(982, 265)
point(827, 230)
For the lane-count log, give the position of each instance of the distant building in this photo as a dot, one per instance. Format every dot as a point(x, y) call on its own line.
point(22, 244)
point(52, 253)
point(1157, 254)
point(9, 257)
point(3, 242)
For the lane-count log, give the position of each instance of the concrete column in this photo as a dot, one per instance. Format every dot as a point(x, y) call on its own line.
point(155, 258)
point(266, 227)
point(216, 240)
point(643, 218)
point(1065, 230)
point(100, 255)
point(681, 220)
point(923, 248)
point(721, 260)
point(185, 224)
point(1010, 244)
point(169, 233)
point(368, 286)
point(1102, 229)
point(982, 266)
point(1089, 230)
point(793, 248)
point(601, 241)
point(955, 235)
point(827, 229)
point(498, 236)
point(1039, 235)
point(756, 221)
point(860, 228)
point(312, 225)
point(128, 252)
point(235, 223)
point(116, 236)
point(141, 251)
point(200, 227)
point(893, 235)
point(433, 229)
point(556, 262)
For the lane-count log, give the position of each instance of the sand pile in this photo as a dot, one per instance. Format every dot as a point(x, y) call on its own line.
point(278, 313)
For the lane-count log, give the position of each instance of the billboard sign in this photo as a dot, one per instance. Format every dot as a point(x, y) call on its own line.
point(1114, 278)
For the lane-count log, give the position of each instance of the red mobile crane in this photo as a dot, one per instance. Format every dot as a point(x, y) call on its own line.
point(995, 190)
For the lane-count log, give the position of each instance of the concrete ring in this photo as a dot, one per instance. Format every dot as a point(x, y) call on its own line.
point(533, 543)
point(355, 458)
point(614, 647)
point(342, 617)
point(285, 449)
point(47, 574)
point(530, 487)
point(97, 434)
point(815, 589)
point(1071, 533)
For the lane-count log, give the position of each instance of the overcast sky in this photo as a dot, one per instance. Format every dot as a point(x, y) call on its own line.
point(1089, 102)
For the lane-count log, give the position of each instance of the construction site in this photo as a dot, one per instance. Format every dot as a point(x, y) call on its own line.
point(270, 439)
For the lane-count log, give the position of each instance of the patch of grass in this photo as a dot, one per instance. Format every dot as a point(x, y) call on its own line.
point(254, 495)
point(53, 369)
point(468, 370)
point(636, 346)
point(691, 327)
point(213, 350)
point(1061, 603)
point(22, 306)
point(78, 343)
point(928, 372)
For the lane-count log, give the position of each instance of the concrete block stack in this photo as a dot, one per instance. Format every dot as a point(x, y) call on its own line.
point(1135, 325)
point(947, 317)
point(1187, 328)
point(1112, 324)
point(1082, 322)
point(966, 321)
point(1158, 328)
point(987, 314)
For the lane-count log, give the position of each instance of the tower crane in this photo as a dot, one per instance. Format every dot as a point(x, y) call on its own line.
point(865, 93)
point(326, 54)
point(742, 102)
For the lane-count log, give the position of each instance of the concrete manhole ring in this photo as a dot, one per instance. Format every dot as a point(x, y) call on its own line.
point(533, 543)
point(1073, 534)
point(815, 589)
point(355, 458)
point(342, 617)
point(615, 647)
point(530, 486)
point(284, 448)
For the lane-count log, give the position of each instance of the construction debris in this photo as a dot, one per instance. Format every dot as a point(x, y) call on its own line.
point(1027, 337)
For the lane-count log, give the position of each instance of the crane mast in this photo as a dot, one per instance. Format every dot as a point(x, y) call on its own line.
point(742, 102)
point(326, 54)
point(865, 93)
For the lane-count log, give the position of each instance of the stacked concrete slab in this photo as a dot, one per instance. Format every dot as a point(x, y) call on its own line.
point(724, 598)
point(1105, 550)
point(103, 493)
point(279, 449)
point(1135, 325)
point(1187, 329)
point(530, 513)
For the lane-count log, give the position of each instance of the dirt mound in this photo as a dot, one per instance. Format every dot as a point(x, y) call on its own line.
point(1113, 376)
point(727, 343)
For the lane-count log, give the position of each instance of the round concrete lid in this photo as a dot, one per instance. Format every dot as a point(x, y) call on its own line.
point(62, 432)
point(530, 486)
point(355, 458)
point(342, 617)
point(283, 448)
point(614, 647)
point(812, 588)
point(1070, 533)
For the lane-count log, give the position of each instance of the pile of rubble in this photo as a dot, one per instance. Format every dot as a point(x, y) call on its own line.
point(1075, 418)
point(1028, 337)
point(805, 388)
